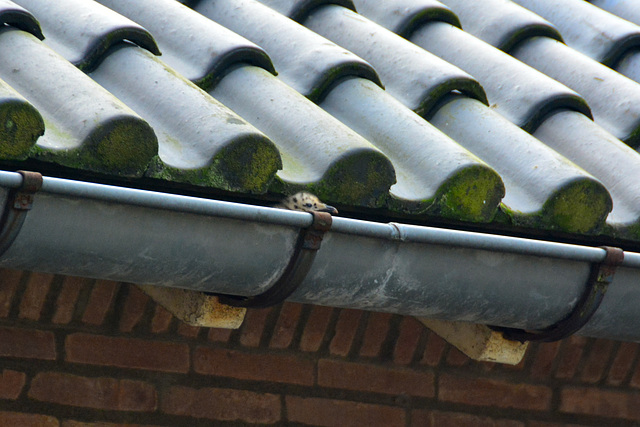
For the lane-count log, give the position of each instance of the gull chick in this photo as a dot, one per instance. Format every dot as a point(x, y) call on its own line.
point(306, 202)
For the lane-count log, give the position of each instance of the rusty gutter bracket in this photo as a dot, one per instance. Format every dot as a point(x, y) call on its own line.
point(304, 253)
point(600, 277)
point(18, 204)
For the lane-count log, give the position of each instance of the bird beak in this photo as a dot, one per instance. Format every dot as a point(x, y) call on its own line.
point(329, 209)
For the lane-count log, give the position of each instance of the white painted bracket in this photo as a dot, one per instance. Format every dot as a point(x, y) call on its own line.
point(196, 308)
point(478, 342)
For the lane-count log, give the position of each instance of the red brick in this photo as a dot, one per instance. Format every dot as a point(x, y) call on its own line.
point(15, 419)
point(571, 354)
point(100, 302)
point(219, 334)
point(258, 367)
point(543, 362)
point(9, 281)
point(27, 344)
point(11, 384)
point(315, 328)
point(598, 402)
point(286, 325)
point(434, 350)
point(223, 404)
point(133, 309)
point(67, 299)
point(488, 392)
point(187, 330)
point(253, 327)
point(35, 296)
point(424, 418)
point(545, 424)
point(339, 413)
point(408, 338)
point(161, 320)
point(622, 363)
point(346, 329)
point(377, 379)
point(72, 423)
point(456, 358)
point(375, 334)
point(98, 393)
point(127, 353)
point(597, 361)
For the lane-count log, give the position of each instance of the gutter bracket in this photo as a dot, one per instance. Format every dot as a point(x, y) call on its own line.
point(300, 263)
point(18, 204)
point(600, 277)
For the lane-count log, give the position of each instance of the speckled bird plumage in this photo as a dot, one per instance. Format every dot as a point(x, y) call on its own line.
point(306, 202)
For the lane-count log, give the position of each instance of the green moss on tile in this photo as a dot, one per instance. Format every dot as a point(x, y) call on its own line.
point(122, 147)
point(20, 126)
point(579, 207)
point(472, 194)
point(247, 165)
point(362, 178)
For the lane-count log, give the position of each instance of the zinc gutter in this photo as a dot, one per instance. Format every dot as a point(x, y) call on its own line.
point(145, 237)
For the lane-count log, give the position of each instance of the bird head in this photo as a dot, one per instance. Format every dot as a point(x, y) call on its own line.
point(306, 202)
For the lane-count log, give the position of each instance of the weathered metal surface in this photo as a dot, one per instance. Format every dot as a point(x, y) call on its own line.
point(319, 152)
point(588, 302)
point(307, 62)
point(18, 202)
point(564, 197)
point(204, 58)
point(86, 127)
point(168, 240)
point(607, 37)
point(411, 74)
point(304, 253)
point(150, 246)
point(85, 41)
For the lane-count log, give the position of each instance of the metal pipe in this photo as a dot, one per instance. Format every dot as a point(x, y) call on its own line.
point(147, 237)
point(389, 231)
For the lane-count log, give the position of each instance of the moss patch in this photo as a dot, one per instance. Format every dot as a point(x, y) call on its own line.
point(472, 194)
point(20, 126)
point(360, 179)
point(579, 207)
point(247, 165)
point(121, 147)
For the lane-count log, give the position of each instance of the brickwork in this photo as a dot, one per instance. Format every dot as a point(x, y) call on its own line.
point(84, 353)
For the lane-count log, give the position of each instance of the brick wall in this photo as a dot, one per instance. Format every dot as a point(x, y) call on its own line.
point(77, 352)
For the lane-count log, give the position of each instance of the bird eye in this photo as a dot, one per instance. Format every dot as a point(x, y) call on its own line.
point(308, 205)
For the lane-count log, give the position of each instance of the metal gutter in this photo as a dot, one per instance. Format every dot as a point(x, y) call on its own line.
point(145, 237)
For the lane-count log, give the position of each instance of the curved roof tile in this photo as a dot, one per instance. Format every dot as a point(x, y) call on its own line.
point(83, 32)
